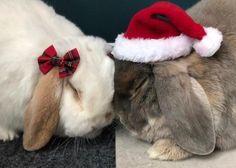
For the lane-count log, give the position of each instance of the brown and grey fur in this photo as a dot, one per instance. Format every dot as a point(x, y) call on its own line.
point(185, 106)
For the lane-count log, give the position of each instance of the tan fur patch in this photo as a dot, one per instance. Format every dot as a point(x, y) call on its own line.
point(42, 114)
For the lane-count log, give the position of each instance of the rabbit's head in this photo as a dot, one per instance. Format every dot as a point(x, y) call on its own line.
point(162, 100)
point(79, 105)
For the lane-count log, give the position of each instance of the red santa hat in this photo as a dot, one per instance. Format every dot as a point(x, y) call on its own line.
point(164, 31)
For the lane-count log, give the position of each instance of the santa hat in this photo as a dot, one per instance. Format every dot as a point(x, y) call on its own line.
point(164, 31)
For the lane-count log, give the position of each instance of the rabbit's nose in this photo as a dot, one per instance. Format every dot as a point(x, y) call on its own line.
point(109, 116)
point(94, 128)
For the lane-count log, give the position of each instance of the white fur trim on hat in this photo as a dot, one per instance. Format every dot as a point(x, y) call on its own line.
point(210, 43)
point(151, 50)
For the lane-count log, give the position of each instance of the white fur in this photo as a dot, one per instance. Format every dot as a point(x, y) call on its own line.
point(27, 27)
point(94, 77)
point(151, 50)
point(210, 43)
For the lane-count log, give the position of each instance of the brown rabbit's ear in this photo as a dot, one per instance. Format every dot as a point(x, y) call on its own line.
point(42, 114)
point(185, 105)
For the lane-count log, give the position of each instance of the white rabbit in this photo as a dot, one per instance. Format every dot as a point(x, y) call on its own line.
point(43, 105)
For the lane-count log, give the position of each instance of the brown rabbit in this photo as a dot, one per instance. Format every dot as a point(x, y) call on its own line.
point(185, 106)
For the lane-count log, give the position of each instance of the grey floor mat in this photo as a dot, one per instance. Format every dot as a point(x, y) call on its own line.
point(62, 153)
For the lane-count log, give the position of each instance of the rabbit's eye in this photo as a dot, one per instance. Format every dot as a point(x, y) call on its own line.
point(137, 85)
point(75, 91)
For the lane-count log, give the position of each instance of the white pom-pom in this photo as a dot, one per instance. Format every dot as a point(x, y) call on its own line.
point(210, 43)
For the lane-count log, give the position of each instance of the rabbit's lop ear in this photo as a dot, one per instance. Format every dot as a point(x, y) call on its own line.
point(42, 115)
point(185, 105)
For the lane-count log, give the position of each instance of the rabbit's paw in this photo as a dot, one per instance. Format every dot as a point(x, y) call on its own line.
point(166, 149)
point(7, 134)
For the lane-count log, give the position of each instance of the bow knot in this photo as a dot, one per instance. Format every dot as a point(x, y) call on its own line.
point(67, 64)
point(56, 61)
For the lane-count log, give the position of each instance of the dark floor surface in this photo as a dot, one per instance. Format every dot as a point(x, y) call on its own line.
point(62, 153)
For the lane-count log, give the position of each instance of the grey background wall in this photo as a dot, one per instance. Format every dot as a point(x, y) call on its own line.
point(105, 18)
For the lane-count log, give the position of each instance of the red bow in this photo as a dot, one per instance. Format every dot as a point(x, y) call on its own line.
point(67, 64)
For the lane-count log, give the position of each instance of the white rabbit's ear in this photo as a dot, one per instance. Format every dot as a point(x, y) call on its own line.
point(186, 107)
point(42, 114)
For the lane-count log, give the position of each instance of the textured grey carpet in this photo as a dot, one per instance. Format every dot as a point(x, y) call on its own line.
point(62, 153)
